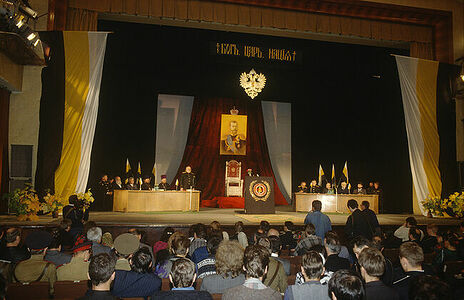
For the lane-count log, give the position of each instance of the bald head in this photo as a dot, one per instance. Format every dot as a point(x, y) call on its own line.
point(273, 231)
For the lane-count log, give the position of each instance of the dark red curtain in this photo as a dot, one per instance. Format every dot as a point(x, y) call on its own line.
point(4, 114)
point(202, 149)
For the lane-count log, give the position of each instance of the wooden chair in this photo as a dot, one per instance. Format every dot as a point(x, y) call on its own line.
point(234, 181)
point(33, 290)
point(70, 289)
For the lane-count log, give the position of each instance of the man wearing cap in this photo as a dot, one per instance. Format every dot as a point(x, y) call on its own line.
point(163, 185)
point(124, 246)
point(35, 268)
point(77, 269)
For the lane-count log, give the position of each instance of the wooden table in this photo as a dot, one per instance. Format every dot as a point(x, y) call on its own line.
point(334, 203)
point(140, 201)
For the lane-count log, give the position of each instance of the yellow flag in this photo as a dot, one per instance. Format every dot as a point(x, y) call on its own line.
point(128, 167)
point(333, 173)
point(345, 171)
point(321, 174)
point(139, 170)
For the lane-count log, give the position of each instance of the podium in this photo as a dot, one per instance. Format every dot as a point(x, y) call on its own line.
point(259, 195)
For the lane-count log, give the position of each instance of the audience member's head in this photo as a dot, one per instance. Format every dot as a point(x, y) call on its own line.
point(276, 244)
point(13, 237)
point(141, 261)
point(273, 232)
point(414, 234)
point(139, 233)
point(266, 243)
point(215, 226)
point(321, 250)
point(238, 226)
point(312, 266)
point(179, 245)
point(372, 264)
point(101, 271)
point(65, 224)
point(107, 240)
point(289, 226)
point(432, 229)
point(427, 287)
point(229, 259)
point(365, 205)
point(199, 231)
point(126, 244)
point(411, 222)
point(167, 232)
point(332, 243)
point(213, 244)
point(346, 286)
point(451, 241)
point(264, 226)
point(411, 256)
point(317, 205)
point(38, 241)
point(183, 273)
point(55, 244)
point(88, 225)
point(73, 200)
point(82, 250)
point(310, 229)
point(352, 204)
point(360, 243)
point(255, 261)
point(94, 234)
point(378, 242)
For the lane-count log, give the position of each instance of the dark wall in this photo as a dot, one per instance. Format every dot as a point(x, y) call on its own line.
point(340, 111)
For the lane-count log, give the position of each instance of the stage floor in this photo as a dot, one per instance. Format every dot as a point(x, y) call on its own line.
point(224, 216)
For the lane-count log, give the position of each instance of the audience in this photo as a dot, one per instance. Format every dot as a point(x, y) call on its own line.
point(229, 268)
point(427, 287)
point(124, 246)
point(207, 266)
point(346, 286)
point(264, 227)
point(76, 269)
point(430, 241)
point(12, 251)
point(275, 278)
point(140, 234)
point(101, 274)
point(75, 212)
point(309, 240)
point(163, 242)
point(239, 235)
point(312, 268)
point(255, 263)
point(182, 276)
point(403, 231)
point(372, 266)
point(199, 240)
point(325, 277)
point(36, 268)
point(371, 216)
point(320, 221)
point(54, 254)
point(276, 247)
point(333, 247)
point(94, 235)
point(411, 258)
point(141, 281)
point(67, 240)
point(217, 230)
point(286, 237)
point(179, 248)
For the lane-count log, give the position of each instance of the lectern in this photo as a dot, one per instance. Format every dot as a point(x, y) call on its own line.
point(259, 195)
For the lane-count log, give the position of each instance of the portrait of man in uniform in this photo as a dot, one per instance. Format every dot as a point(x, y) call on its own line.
point(233, 135)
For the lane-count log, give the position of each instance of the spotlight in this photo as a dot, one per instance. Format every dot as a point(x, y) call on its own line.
point(36, 42)
point(31, 36)
point(28, 11)
point(19, 22)
point(462, 77)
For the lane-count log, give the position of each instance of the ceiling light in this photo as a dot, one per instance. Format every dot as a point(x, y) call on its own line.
point(31, 36)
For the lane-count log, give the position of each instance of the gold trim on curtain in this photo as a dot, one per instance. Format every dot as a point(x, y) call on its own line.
point(81, 20)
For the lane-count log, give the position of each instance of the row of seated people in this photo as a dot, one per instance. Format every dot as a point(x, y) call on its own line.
point(218, 259)
point(342, 188)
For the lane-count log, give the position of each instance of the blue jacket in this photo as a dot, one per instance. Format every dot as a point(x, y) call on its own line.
point(129, 284)
point(320, 221)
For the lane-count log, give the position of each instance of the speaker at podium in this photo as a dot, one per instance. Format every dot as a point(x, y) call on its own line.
point(259, 195)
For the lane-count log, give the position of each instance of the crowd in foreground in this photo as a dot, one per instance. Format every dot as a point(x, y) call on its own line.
point(237, 265)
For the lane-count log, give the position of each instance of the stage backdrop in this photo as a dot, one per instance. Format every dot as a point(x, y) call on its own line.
point(172, 127)
point(68, 110)
point(202, 149)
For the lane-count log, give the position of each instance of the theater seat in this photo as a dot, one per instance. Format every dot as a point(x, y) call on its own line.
point(216, 296)
point(70, 289)
point(34, 291)
point(166, 284)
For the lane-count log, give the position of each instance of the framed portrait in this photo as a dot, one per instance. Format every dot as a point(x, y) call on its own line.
point(233, 135)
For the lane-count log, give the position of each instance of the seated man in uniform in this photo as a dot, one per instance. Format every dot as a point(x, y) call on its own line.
point(187, 179)
point(76, 270)
point(360, 190)
point(131, 184)
point(35, 268)
point(314, 188)
point(163, 185)
point(303, 188)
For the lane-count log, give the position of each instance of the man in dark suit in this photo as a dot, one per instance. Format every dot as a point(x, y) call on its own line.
point(332, 246)
point(360, 189)
point(357, 223)
point(343, 188)
point(372, 267)
point(163, 185)
point(314, 188)
point(303, 188)
point(117, 184)
point(131, 184)
point(187, 179)
point(146, 185)
point(182, 277)
point(371, 217)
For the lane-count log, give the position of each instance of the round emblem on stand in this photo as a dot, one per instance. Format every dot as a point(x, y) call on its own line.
point(260, 190)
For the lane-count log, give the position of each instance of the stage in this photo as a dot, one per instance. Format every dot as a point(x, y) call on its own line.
point(224, 216)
